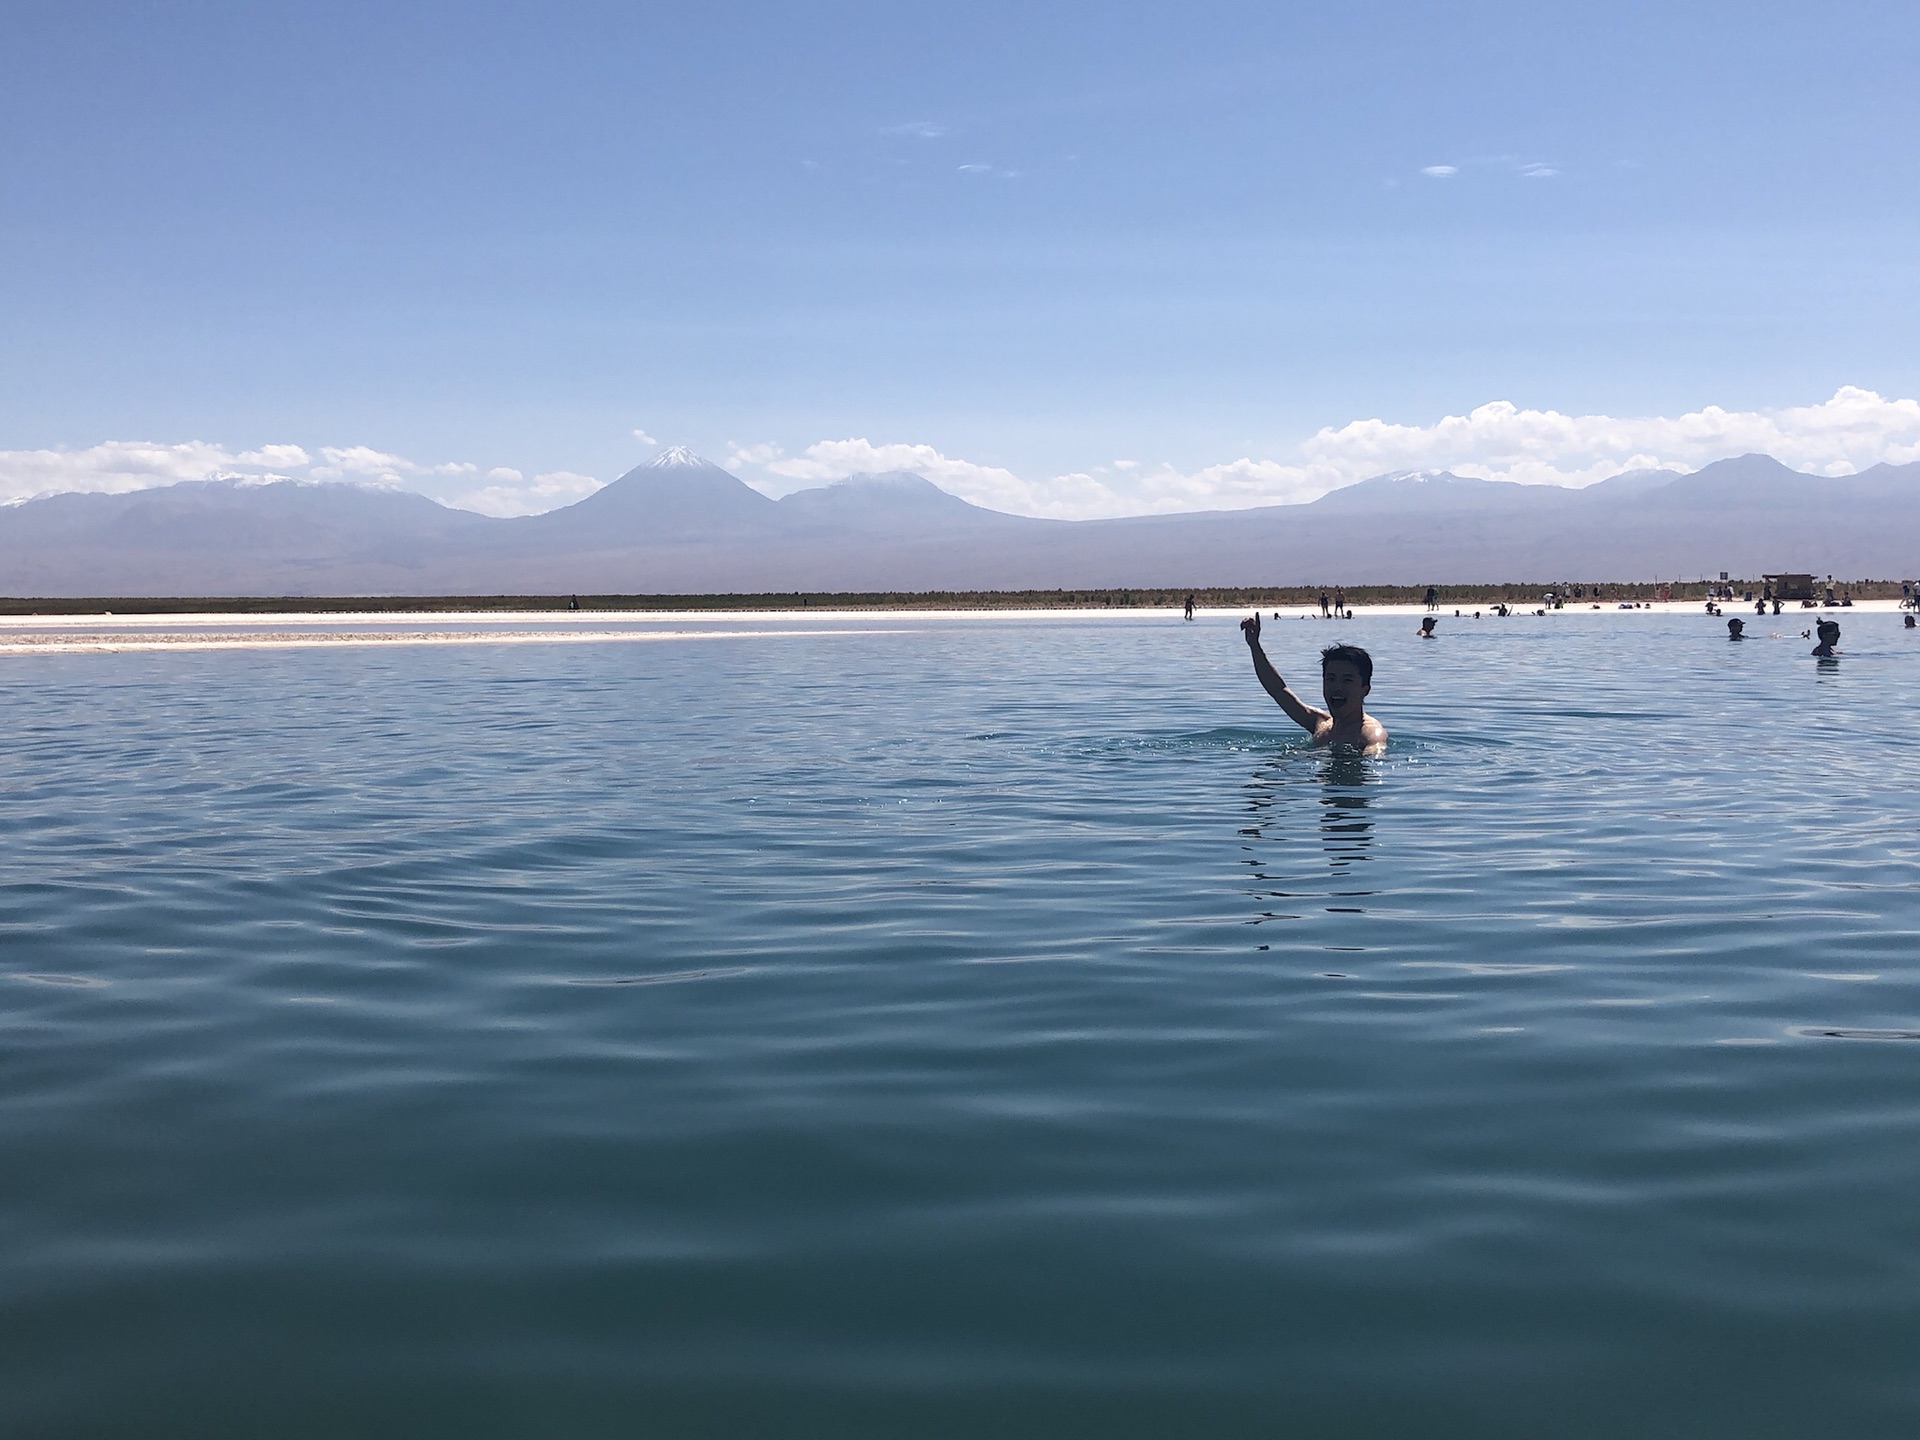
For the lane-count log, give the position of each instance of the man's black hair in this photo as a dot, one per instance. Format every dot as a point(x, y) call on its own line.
point(1352, 655)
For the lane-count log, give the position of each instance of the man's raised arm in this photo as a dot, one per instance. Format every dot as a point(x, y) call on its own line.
point(1302, 714)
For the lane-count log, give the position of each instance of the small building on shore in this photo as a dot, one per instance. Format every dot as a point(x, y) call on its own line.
point(1790, 586)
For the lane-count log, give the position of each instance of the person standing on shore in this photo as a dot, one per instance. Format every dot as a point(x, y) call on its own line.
point(1346, 679)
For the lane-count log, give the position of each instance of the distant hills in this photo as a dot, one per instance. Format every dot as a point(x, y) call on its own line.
point(681, 524)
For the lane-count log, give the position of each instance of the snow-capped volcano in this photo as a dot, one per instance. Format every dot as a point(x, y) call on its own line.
point(675, 495)
point(675, 455)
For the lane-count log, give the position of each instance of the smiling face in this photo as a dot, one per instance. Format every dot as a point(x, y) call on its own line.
point(1343, 689)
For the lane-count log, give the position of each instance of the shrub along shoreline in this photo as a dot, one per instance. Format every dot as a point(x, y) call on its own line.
point(1206, 597)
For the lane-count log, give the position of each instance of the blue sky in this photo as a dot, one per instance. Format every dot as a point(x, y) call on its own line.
point(1060, 250)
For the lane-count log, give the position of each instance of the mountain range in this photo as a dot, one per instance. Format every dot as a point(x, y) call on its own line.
point(682, 525)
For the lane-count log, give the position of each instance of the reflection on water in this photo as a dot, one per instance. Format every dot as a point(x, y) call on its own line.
point(1288, 798)
point(1346, 830)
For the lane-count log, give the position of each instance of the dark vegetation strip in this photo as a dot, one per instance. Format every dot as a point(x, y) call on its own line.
point(1206, 597)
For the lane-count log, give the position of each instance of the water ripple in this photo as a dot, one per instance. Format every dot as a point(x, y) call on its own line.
point(1092, 1054)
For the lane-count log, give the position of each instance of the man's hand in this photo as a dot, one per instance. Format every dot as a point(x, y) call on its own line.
point(1251, 629)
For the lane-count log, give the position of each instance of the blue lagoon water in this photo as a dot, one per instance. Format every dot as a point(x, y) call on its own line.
point(957, 1027)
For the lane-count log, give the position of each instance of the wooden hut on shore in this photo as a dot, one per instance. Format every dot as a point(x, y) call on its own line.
point(1790, 586)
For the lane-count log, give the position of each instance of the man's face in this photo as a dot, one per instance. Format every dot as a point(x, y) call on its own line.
point(1341, 685)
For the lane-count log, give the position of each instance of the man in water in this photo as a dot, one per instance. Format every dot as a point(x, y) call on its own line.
point(1346, 678)
point(1829, 633)
point(1426, 627)
point(1736, 629)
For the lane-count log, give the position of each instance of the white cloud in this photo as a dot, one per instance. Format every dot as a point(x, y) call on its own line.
point(919, 129)
point(1530, 170)
point(287, 456)
point(644, 438)
point(1854, 429)
point(117, 466)
point(1497, 441)
point(753, 454)
point(1124, 488)
point(513, 494)
point(1500, 441)
point(393, 472)
point(830, 460)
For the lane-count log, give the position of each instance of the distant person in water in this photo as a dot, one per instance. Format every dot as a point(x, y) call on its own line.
point(1346, 678)
point(1829, 633)
point(1736, 629)
point(1189, 614)
point(1325, 605)
point(1426, 627)
point(1909, 622)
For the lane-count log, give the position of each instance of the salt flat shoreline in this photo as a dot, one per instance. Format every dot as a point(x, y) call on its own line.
point(67, 634)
